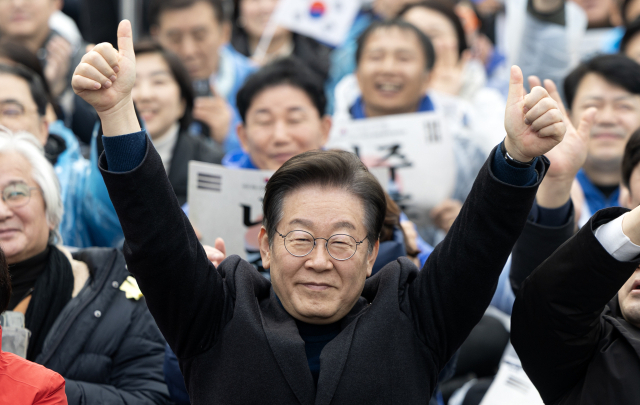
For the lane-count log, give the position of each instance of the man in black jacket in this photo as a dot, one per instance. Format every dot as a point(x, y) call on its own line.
point(320, 332)
point(576, 343)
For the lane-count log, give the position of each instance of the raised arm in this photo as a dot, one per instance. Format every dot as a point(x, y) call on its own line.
point(556, 323)
point(184, 291)
point(551, 222)
point(454, 289)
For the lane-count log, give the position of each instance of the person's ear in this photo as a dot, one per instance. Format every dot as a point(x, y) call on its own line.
point(371, 259)
point(241, 131)
point(426, 81)
point(43, 129)
point(625, 197)
point(154, 30)
point(265, 251)
point(183, 107)
point(325, 126)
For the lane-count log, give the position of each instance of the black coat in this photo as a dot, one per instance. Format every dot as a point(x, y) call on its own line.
point(188, 148)
point(237, 345)
point(573, 342)
point(107, 347)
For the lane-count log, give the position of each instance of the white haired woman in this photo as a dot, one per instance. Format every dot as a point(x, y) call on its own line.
point(85, 323)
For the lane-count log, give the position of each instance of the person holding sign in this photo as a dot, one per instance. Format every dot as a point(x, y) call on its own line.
point(319, 332)
point(394, 63)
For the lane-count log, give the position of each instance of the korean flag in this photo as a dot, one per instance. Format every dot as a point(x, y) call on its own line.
point(328, 21)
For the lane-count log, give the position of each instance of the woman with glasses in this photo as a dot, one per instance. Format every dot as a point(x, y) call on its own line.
point(320, 331)
point(86, 317)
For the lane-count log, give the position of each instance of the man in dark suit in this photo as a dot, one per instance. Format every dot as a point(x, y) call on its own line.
point(320, 331)
point(577, 344)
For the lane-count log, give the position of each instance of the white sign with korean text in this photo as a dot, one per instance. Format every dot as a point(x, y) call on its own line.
point(227, 203)
point(328, 21)
point(511, 385)
point(416, 150)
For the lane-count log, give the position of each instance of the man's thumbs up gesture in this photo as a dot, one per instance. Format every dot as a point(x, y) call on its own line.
point(104, 78)
point(533, 121)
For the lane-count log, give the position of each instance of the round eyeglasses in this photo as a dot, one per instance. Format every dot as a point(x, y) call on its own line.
point(301, 243)
point(17, 194)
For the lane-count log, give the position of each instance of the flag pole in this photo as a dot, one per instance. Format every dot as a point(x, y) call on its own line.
point(266, 38)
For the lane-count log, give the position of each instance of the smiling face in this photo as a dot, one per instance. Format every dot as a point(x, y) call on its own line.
point(282, 122)
point(24, 231)
point(195, 35)
point(26, 19)
point(317, 288)
point(392, 72)
point(617, 117)
point(156, 94)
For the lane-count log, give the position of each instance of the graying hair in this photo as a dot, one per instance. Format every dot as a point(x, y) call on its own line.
point(42, 172)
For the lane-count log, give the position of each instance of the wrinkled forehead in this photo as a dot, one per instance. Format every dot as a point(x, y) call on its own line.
point(14, 168)
point(322, 209)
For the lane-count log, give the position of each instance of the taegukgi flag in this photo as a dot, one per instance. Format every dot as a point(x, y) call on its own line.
point(328, 21)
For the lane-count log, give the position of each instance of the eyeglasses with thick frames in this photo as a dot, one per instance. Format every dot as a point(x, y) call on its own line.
point(16, 195)
point(340, 246)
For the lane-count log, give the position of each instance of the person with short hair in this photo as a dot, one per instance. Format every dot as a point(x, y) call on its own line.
point(455, 73)
point(21, 381)
point(394, 63)
point(198, 31)
point(343, 61)
point(611, 84)
point(309, 335)
point(85, 313)
point(577, 344)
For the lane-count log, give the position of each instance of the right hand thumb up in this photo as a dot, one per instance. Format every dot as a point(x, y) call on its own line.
point(104, 78)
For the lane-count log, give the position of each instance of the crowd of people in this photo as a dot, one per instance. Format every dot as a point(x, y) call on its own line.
point(107, 295)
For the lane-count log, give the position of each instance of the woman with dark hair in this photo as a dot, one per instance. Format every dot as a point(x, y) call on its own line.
point(251, 18)
point(163, 95)
point(21, 381)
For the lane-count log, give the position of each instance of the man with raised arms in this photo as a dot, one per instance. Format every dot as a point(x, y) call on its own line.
point(320, 332)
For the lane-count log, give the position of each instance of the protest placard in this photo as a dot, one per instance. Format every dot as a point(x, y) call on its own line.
point(415, 149)
point(227, 203)
point(511, 385)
